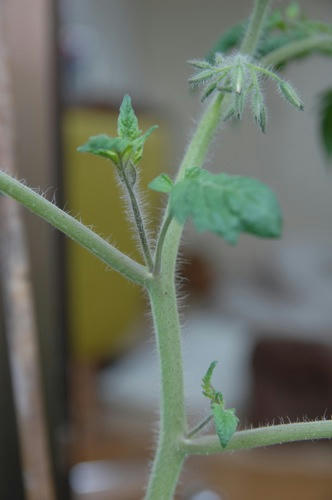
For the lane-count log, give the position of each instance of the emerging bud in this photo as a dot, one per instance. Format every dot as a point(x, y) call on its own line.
point(259, 109)
point(200, 64)
point(290, 95)
point(201, 76)
point(239, 102)
point(218, 58)
point(261, 119)
point(230, 113)
point(238, 79)
point(208, 90)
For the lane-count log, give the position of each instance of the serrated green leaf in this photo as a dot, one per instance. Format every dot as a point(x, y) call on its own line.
point(127, 147)
point(163, 183)
point(226, 205)
point(225, 422)
point(127, 120)
point(326, 121)
point(138, 144)
point(107, 147)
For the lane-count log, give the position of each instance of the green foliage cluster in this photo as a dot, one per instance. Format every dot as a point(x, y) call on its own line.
point(240, 76)
point(282, 27)
point(223, 204)
point(127, 146)
point(225, 420)
point(220, 203)
point(226, 205)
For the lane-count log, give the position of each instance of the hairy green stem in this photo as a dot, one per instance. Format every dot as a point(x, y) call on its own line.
point(205, 131)
point(138, 219)
point(262, 436)
point(194, 156)
point(169, 456)
point(201, 140)
point(164, 229)
point(74, 229)
point(294, 49)
point(168, 460)
point(255, 27)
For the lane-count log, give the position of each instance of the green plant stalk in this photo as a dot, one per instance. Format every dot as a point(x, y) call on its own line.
point(160, 243)
point(168, 459)
point(255, 27)
point(195, 155)
point(262, 436)
point(198, 147)
point(296, 48)
point(201, 140)
point(139, 220)
point(172, 446)
point(169, 456)
point(74, 229)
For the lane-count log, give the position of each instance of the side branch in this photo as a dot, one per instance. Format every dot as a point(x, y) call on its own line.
point(139, 221)
point(296, 48)
point(74, 229)
point(262, 436)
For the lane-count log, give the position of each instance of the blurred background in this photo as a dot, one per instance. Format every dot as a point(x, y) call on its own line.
point(263, 308)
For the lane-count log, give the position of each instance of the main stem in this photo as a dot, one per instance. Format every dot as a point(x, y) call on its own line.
point(169, 456)
point(194, 156)
point(254, 31)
